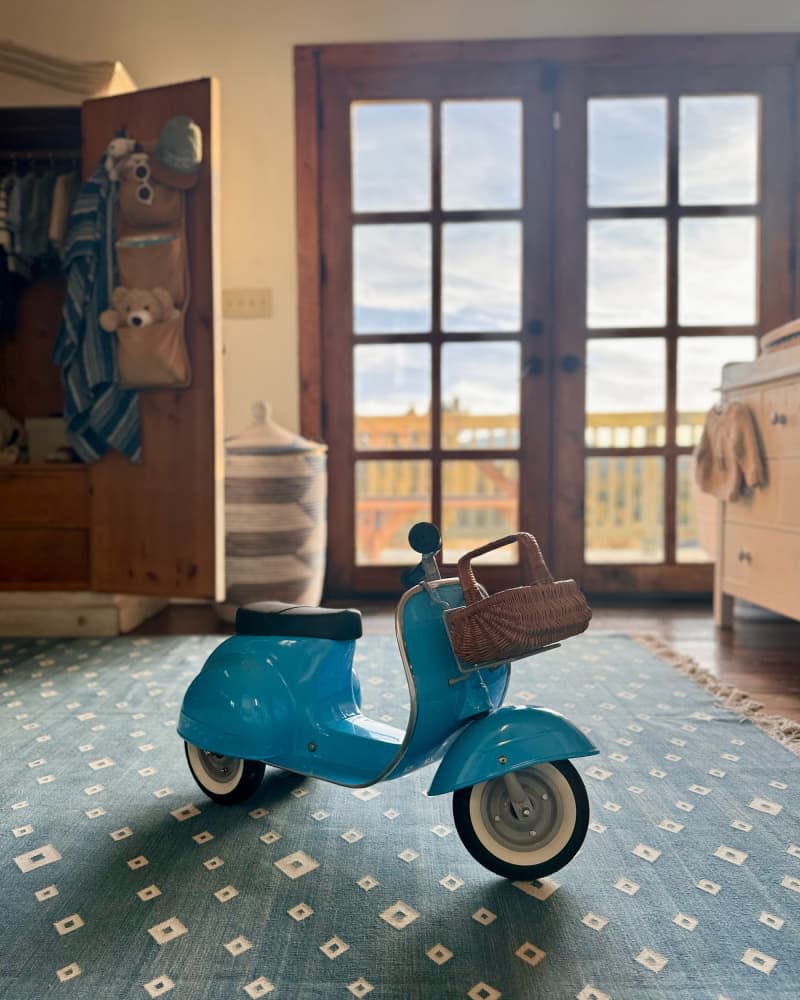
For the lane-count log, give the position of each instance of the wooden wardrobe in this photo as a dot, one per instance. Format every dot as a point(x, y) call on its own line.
point(112, 526)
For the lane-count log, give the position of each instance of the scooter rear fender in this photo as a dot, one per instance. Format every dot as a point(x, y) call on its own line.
point(239, 704)
point(508, 739)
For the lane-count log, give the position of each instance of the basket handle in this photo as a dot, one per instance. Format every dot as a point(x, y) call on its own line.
point(534, 567)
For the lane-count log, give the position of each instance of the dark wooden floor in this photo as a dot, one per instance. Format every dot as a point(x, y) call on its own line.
point(760, 655)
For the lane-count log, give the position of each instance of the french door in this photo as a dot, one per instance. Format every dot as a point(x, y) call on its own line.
point(531, 272)
point(436, 314)
point(675, 252)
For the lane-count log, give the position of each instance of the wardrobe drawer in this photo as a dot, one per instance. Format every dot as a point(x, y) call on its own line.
point(754, 506)
point(43, 497)
point(760, 565)
point(779, 420)
point(45, 558)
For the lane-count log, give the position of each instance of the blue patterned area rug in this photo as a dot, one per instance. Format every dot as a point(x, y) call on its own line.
point(119, 879)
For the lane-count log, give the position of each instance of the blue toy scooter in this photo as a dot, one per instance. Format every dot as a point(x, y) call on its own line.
point(283, 691)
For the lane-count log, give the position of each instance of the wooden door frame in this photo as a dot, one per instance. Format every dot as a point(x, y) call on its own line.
point(313, 63)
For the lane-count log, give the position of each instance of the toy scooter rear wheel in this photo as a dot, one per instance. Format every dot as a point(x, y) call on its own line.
point(224, 779)
point(520, 847)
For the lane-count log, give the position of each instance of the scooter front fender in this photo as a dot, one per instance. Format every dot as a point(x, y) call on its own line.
point(508, 739)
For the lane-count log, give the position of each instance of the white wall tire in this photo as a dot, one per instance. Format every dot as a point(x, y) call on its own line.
point(524, 849)
point(224, 779)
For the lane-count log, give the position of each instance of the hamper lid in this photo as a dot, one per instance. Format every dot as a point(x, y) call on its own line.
point(265, 437)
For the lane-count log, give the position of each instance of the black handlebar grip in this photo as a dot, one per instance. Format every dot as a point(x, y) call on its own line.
point(424, 538)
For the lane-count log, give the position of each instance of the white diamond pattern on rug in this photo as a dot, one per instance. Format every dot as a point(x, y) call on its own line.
point(167, 930)
point(298, 884)
point(400, 915)
point(530, 954)
point(159, 986)
point(68, 924)
point(68, 972)
point(258, 987)
point(360, 987)
point(296, 864)
point(334, 947)
point(439, 954)
point(238, 945)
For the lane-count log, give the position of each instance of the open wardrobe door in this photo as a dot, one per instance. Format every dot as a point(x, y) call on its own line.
point(156, 526)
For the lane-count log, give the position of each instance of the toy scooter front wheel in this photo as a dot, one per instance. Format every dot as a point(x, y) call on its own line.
point(224, 779)
point(521, 847)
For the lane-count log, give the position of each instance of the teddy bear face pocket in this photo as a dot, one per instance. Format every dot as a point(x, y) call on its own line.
point(153, 356)
point(151, 260)
point(146, 203)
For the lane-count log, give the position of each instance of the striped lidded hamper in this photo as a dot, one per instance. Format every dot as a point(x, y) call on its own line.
point(275, 516)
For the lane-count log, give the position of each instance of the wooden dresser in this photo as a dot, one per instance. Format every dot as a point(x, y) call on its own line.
point(758, 544)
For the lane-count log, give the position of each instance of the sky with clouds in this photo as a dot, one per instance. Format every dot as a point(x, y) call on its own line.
point(482, 261)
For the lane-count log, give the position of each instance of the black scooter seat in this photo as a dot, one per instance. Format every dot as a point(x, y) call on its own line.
point(277, 618)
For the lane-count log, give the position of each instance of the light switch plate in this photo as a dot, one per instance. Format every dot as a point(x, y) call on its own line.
point(247, 303)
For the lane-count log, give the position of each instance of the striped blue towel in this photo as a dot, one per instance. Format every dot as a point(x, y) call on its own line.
point(99, 414)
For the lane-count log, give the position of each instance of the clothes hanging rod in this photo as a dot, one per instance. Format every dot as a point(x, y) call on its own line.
point(40, 154)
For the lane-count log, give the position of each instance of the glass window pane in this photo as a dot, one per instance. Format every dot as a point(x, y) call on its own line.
point(480, 503)
point(625, 392)
point(480, 395)
point(627, 273)
point(718, 160)
point(717, 271)
point(392, 279)
point(695, 515)
point(627, 139)
point(390, 497)
point(481, 276)
point(392, 396)
point(481, 154)
point(624, 510)
point(391, 156)
point(700, 361)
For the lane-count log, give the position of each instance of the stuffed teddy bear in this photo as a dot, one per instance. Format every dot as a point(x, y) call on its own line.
point(116, 152)
point(137, 307)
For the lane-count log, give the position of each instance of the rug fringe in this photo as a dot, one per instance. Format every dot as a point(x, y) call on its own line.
point(785, 731)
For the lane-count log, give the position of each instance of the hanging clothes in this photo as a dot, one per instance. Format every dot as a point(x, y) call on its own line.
point(98, 414)
point(65, 192)
point(728, 457)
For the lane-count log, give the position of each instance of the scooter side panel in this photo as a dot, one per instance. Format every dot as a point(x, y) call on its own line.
point(513, 737)
point(444, 697)
point(293, 703)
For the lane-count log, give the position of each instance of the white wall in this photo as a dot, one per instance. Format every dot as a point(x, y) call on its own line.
point(248, 44)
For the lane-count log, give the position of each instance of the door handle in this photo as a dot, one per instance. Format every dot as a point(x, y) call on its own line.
point(570, 363)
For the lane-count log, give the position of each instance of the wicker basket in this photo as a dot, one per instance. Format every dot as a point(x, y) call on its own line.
point(514, 623)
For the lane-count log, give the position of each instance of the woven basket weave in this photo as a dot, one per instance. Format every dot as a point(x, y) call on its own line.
point(515, 623)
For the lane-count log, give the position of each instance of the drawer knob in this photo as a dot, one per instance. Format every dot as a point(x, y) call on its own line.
point(777, 418)
point(744, 556)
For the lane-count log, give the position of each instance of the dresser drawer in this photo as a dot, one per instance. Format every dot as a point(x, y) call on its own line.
point(778, 419)
point(44, 558)
point(762, 565)
point(44, 497)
